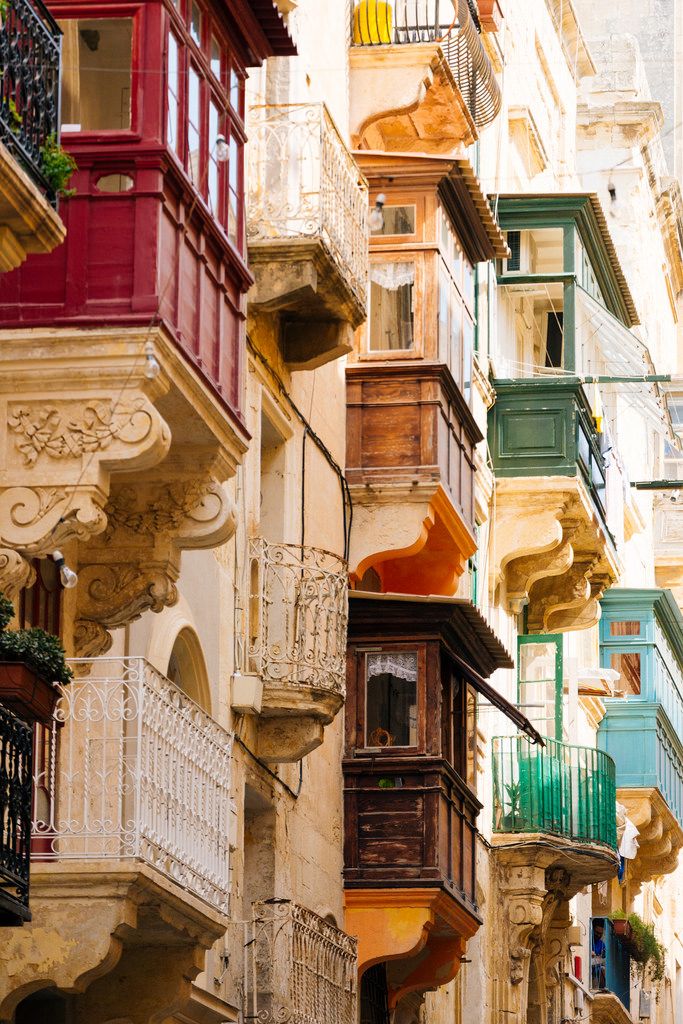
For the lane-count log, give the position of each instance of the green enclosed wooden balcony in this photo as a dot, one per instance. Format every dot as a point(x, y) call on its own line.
point(555, 552)
point(558, 790)
point(546, 429)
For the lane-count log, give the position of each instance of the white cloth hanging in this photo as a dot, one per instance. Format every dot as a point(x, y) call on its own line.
point(392, 276)
point(402, 666)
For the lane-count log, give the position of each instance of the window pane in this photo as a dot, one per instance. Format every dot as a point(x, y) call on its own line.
point(213, 179)
point(391, 705)
point(215, 57)
point(193, 125)
point(624, 629)
point(96, 74)
point(471, 737)
point(235, 91)
point(173, 93)
point(391, 306)
point(467, 356)
point(537, 661)
point(196, 24)
point(398, 220)
point(628, 665)
point(234, 206)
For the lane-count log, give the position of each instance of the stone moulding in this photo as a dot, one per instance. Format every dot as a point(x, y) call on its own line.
point(553, 555)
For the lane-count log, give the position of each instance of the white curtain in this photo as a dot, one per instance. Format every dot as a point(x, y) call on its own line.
point(402, 666)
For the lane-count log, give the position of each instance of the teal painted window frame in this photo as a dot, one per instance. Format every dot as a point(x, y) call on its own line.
point(537, 639)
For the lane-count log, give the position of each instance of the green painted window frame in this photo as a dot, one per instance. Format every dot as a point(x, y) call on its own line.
point(537, 639)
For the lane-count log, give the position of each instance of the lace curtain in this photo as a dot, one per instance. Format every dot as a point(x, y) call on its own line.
point(392, 276)
point(402, 666)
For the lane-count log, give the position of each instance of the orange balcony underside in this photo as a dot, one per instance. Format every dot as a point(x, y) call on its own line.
point(435, 560)
point(420, 933)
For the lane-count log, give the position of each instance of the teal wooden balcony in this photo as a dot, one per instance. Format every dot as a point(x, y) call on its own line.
point(560, 790)
point(545, 428)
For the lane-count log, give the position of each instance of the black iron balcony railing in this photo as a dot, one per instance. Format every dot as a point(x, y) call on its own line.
point(29, 83)
point(16, 755)
point(453, 25)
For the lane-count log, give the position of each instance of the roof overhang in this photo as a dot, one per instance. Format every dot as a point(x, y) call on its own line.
point(458, 187)
point(455, 621)
point(263, 30)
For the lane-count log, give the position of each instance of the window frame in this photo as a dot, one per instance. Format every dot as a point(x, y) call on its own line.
point(537, 639)
point(362, 653)
point(219, 91)
point(136, 13)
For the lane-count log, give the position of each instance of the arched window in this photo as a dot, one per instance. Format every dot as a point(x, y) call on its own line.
point(187, 669)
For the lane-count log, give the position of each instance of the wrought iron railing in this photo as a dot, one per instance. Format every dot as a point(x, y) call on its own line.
point(447, 22)
point(137, 770)
point(297, 616)
point(299, 968)
point(16, 756)
point(29, 82)
point(610, 961)
point(304, 183)
point(561, 789)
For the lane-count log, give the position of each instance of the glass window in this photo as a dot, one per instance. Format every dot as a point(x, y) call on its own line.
point(236, 91)
point(196, 23)
point(173, 93)
point(97, 56)
point(624, 628)
point(193, 125)
point(216, 57)
point(391, 699)
point(234, 178)
point(471, 773)
point(628, 666)
point(467, 357)
point(539, 682)
point(398, 220)
point(214, 175)
point(391, 306)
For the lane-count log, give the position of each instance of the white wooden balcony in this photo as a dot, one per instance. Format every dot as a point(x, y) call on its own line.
point(299, 968)
point(295, 643)
point(136, 773)
point(307, 230)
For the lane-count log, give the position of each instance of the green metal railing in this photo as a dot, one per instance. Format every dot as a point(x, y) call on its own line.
point(560, 789)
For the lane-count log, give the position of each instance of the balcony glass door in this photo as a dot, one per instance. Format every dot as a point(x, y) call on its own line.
point(539, 682)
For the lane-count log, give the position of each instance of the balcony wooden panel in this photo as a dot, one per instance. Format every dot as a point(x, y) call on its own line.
point(410, 424)
point(422, 832)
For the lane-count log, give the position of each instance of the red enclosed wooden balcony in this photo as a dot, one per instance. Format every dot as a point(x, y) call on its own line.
point(153, 113)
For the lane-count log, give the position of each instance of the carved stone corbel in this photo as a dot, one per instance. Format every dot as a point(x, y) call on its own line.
point(559, 593)
point(134, 566)
point(58, 454)
point(523, 572)
point(581, 616)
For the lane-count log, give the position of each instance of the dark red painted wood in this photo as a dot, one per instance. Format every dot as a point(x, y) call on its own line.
point(156, 253)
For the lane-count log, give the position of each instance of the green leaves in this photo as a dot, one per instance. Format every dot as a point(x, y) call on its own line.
point(57, 166)
point(40, 651)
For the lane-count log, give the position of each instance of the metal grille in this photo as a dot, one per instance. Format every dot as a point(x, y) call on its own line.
point(304, 183)
point(29, 86)
point(298, 615)
point(16, 752)
point(299, 968)
point(561, 789)
point(138, 770)
point(374, 1007)
point(447, 22)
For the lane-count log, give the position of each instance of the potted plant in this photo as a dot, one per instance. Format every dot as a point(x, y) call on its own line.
point(32, 662)
point(621, 926)
point(645, 948)
point(513, 818)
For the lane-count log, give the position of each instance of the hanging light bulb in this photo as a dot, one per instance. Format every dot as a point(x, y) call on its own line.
point(152, 368)
point(376, 217)
point(222, 149)
point(68, 577)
